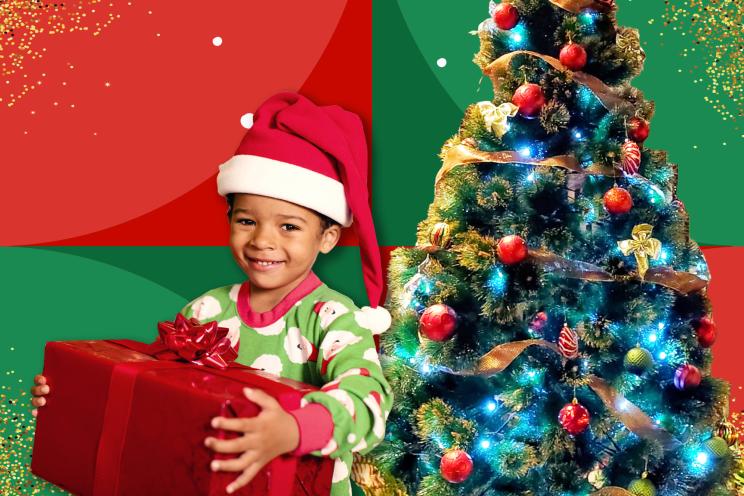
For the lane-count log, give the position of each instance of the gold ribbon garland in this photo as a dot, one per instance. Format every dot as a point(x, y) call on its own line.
point(612, 491)
point(576, 6)
point(682, 282)
point(370, 480)
point(498, 69)
point(632, 417)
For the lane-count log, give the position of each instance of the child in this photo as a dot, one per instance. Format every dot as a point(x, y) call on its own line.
point(298, 176)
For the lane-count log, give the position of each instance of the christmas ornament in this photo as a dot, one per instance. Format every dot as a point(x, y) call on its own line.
point(505, 16)
point(687, 377)
point(642, 246)
point(438, 322)
point(717, 447)
point(496, 118)
point(728, 432)
point(618, 201)
point(630, 160)
point(568, 342)
point(530, 99)
point(597, 477)
point(574, 417)
point(706, 332)
point(638, 360)
point(642, 487)
point(638, 129)
point(511, 249)
point(439, 235)
point(456, 466)
point(538, 322)
point(573, 56)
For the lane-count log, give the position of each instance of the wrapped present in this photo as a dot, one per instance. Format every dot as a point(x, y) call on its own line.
point(128, 418)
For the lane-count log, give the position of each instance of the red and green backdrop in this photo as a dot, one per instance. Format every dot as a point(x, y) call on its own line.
point(115, 115)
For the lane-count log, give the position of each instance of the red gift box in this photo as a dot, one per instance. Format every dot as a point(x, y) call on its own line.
point(120, 422)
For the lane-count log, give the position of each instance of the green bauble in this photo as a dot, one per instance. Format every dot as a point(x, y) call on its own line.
point(717, 446)
point(642, 487)
point(638, 361)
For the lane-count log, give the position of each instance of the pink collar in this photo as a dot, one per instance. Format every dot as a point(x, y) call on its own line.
point(262, 319)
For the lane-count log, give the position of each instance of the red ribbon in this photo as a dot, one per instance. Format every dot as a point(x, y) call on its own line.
point(179, 340)
point(190, 340)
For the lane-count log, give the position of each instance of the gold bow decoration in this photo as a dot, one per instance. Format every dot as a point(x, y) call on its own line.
point(496, 117)
point(642, 246)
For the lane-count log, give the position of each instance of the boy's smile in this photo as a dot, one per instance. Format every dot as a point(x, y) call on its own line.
point(276, 243)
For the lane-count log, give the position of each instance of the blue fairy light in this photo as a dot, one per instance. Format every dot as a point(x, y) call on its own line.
point(663, 355)
point(517, 37)
point(525, 152)
point(702, 458)
point(661, 326)
point(485, 444)
point(652, 337)
point(425, 368)
point(496, 282)
point(491, 406)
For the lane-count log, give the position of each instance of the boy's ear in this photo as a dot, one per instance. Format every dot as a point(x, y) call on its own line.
point(329, 238)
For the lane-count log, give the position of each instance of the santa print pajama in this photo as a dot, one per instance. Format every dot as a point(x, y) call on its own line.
point(317, 336)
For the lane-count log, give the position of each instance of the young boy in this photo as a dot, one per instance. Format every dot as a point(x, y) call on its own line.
point(298, 176)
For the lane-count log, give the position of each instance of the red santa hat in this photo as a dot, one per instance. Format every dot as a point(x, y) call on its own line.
point(316, 157)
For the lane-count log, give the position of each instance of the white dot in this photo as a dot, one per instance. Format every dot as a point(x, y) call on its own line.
point(247, 120)
point(217, 41)
point(441, 62)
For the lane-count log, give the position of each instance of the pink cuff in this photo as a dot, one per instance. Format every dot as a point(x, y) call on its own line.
point(316, 428)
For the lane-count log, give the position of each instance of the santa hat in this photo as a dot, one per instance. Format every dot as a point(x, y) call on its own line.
point(314, 156)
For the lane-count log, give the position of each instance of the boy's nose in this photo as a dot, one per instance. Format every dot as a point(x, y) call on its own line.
point(263, 238)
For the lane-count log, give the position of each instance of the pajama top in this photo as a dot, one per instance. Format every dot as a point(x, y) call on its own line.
point(317, 336)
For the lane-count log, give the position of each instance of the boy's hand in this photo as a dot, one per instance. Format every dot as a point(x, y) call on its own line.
point(270, 434)
point(39, 391)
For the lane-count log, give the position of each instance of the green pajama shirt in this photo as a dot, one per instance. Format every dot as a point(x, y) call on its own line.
point(320, 337)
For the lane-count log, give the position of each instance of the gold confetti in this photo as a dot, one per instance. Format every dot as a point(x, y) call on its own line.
point(716, 26)
point(16, 444)
point(25, 24)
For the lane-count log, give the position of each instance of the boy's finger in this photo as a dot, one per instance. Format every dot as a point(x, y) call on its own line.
point(34, 412)
point(39, 379)
point(237, 445)
point(38, 401)
point(235, 424)
point(244, 478)
point(236, 464)
point(40, 390)
point(261, 399)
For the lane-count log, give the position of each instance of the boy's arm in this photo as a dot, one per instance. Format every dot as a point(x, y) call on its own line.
point(350, 410)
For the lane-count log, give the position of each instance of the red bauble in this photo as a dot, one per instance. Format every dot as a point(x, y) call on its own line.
point(631, 157)
point(573, 56)
point(539, 321)
point(505, 16)
point(529, 98)
point(618, 201)
point(638, 129)
point(706, 332)
point(687, 377)
point(456, 466)
point(568, 342)
point(574, 417)
point(438, 322)
point(511, 249)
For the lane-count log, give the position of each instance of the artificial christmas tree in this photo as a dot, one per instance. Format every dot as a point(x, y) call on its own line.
point(579, 360)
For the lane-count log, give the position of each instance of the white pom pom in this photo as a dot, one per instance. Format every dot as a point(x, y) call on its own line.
point(377, 320)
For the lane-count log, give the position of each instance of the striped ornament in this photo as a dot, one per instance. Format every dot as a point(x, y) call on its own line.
point(631, 157)
point(568, 342)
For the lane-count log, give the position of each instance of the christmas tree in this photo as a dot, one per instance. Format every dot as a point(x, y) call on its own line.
point(551, 326)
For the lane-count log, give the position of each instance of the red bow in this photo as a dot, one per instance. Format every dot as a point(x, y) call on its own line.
point(190, 340)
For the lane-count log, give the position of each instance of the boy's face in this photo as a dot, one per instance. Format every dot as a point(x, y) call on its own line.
point(276, 242)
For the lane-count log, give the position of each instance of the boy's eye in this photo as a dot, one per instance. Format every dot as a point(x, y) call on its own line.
point(290, 227)
point(245, 222)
